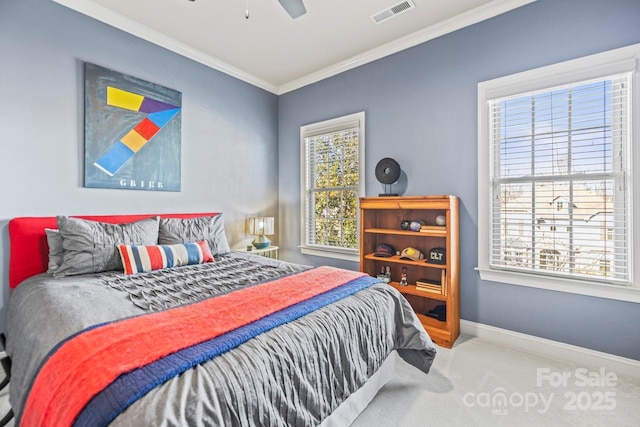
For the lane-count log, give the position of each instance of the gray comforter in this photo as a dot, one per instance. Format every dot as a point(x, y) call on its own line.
point(296, 374)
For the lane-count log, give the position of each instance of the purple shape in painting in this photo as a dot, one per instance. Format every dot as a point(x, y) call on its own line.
point(152, 106)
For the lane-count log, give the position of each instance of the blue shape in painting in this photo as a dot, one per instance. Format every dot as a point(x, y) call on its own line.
point(162, 118)
point(113, 159)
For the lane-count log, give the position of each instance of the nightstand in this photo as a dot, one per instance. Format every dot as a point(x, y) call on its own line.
point(270, 252)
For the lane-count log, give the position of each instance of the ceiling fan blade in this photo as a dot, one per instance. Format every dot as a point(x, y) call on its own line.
point(295, 8)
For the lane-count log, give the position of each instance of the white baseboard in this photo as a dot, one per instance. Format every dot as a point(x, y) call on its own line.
point(554, 349)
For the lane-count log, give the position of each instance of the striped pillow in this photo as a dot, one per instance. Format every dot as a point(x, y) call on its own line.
point(140, 258)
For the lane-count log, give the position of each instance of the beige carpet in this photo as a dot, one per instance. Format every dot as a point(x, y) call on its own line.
point(478, 384)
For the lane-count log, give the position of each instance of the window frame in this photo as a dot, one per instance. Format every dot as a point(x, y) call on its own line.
point(586, 68)
point(327, 126)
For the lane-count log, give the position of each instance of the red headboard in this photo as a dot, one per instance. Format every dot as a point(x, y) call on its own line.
point(29, 252)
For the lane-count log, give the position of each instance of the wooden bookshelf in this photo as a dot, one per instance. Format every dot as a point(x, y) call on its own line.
point(380, 219)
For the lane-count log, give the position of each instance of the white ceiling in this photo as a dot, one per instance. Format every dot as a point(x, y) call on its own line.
point(280, 54)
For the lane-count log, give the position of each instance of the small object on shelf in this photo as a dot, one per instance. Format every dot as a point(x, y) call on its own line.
point(439, 313)
point(412, 254)
point(385, 275)
point(427, 283)
point(384, 250)
point(403, 279)
point(441, 220)
point(387, 172)
point(405, 224)
point(433, 228)
point(429, 286)
point(443, 281)
point(249, 248)
point(428, 290)
point(437, 256)
point(416, 225)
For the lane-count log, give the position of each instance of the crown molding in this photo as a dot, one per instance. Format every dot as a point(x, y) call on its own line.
point(116, 20)
point(130, 26)
point(481, 13)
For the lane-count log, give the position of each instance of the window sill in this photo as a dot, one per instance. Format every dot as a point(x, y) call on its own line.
point(345, 255)
point(603, 290)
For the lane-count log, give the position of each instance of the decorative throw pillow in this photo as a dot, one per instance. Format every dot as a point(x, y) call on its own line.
point(185, 230)
point(54, 241)
point(137, 259)
point(91, 246)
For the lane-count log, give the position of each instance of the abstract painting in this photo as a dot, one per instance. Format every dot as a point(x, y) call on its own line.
point(132, 132)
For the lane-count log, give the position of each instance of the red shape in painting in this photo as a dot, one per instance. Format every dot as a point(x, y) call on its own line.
point(146, 128)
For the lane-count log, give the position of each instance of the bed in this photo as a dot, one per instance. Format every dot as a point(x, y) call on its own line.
point(103, 327)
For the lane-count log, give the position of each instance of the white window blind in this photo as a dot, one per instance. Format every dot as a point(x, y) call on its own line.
point(332, 179)
point(560, 196)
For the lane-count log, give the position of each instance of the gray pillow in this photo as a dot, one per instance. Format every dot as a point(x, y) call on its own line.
point(54, 241)
point(185, 230)
point(92, 247)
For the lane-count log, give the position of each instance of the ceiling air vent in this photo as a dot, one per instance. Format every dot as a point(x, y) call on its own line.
point(394, 10)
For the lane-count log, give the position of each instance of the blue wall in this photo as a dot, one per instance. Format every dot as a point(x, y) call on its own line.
point(229, 128)
point(421, 110)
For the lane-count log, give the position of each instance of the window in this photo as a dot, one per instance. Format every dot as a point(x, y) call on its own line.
point(332, 181)
point(555, 160)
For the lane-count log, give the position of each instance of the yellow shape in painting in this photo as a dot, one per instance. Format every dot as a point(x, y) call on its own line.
point(123, 99)
point(133, 140)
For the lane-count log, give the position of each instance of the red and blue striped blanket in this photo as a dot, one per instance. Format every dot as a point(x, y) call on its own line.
point(104, 369)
